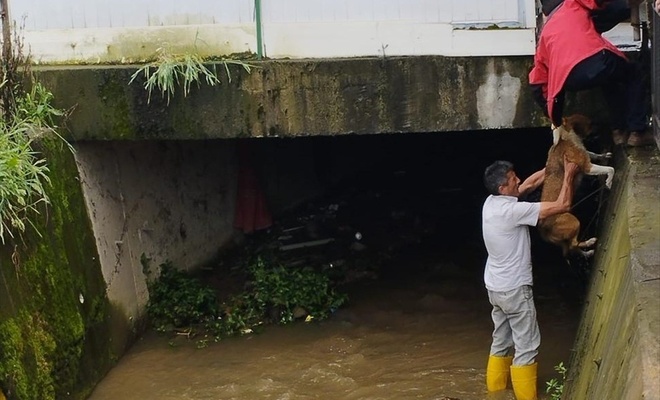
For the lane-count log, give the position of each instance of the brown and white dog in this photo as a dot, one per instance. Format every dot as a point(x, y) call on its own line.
point(563, 229)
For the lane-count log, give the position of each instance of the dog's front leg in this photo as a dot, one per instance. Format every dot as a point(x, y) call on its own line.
point(599, 157)
point(602, 170)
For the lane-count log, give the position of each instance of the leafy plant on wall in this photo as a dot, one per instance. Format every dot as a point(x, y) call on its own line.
point(169, 71)
point(27, 115)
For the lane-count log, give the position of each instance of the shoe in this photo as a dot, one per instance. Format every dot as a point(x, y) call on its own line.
point(523, 379)
point(638, 139)
point(619, 136)
point(497, 372)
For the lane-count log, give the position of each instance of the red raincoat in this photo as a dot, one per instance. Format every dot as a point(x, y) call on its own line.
point(568, 37)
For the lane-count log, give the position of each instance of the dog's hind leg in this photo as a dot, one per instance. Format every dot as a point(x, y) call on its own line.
point(588, 253)
point(579, 251)
point(587, 243)
point(579, 247)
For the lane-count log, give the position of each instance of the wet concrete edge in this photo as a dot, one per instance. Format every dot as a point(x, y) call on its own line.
point(644, 207)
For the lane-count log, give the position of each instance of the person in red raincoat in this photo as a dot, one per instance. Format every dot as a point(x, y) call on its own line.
point(572, 55)
point(251, 212)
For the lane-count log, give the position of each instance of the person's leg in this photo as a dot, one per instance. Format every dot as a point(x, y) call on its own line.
point(603, 69)
point(637, 123)
point(622, 87)
point(502, 337)
point(527, 339)
point(499, 360)
point(525, 332)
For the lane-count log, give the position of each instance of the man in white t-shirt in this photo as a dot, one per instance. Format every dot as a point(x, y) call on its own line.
point(508, 273)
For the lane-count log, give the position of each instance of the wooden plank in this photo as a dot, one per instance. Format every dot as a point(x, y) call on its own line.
point(306, 244)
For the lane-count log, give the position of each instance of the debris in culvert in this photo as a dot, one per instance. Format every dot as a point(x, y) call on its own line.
point(355, 234)
point(310, 243)
point(356, 246)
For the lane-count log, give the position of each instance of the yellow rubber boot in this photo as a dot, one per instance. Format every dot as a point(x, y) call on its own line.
point(523, 379)
point(497, 372)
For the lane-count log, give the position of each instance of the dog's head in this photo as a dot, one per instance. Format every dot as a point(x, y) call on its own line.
point(578, 123)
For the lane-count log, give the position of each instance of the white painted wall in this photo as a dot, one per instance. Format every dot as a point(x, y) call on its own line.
point(131, 30)
point(85, 14)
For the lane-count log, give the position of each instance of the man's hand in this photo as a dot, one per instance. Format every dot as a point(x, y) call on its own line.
point(657, 6)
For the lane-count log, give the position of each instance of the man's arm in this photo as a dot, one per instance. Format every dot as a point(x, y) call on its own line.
point(565, 199)
point(538, 94)
point(534, 181)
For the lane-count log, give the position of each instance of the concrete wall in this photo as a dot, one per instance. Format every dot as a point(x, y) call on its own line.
point(617, 351)
point(164, 200)
point(302, 98)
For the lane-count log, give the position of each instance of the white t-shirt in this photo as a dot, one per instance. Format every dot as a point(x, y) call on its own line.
point(505, 223)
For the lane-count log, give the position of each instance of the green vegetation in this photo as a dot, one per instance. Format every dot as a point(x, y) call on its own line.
point(273, 293)
point(27, 346)
point(168, 71)
point(52, 293)
point(177, 300)
point(23, 171)
point(27, 115)
point(555, 387)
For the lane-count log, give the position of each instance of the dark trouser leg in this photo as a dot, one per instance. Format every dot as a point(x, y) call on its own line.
point(622, 85)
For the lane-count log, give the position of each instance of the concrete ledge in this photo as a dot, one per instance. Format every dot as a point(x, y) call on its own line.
point(617, 351)
point(287, 98)
point(644, 228)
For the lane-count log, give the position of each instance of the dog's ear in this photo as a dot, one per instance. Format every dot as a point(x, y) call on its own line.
point(580, 124)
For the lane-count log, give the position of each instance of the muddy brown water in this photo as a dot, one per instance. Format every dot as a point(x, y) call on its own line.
point(423, 335)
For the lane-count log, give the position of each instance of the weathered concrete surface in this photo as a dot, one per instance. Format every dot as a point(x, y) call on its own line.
point(304, 97)
point(161, 201)
point(617, 352)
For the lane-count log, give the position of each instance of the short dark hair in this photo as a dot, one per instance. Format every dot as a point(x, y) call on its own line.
point(495, 175)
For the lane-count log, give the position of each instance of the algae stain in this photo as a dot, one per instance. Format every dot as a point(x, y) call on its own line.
point(116, 107)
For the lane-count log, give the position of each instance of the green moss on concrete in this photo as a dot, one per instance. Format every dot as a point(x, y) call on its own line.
point(54, 314)
point(117, 108)
point(26, 359)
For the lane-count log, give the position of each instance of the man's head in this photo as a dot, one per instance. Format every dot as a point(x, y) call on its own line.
point(501, 179)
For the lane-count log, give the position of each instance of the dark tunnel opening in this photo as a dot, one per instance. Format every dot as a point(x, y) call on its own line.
point(390, 206)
